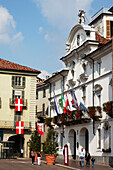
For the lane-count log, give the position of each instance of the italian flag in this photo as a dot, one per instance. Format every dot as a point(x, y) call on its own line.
point(63, 104)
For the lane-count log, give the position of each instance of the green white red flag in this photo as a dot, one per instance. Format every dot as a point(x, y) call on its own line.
point(63, 104)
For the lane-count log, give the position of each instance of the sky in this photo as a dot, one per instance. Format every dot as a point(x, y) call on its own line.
point(33, 33)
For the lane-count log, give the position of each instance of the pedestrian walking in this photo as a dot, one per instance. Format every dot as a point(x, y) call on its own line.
point(33, 156)
point(39, 158)
point(87, 158)
point(81, 155)
point(93, 160)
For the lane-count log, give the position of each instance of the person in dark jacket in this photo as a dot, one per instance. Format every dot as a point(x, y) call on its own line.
point(87, 157)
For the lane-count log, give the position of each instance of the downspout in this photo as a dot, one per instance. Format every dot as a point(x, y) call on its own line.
point(50, 96)
point(112, 74)
point(63, 93)
point(50, 99)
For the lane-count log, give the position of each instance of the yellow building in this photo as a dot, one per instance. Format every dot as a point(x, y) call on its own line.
point(16, 81)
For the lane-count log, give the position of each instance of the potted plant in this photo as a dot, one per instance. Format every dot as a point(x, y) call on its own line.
point(50, 147)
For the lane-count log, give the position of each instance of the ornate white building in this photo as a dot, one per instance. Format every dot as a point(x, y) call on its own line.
point(88, 70)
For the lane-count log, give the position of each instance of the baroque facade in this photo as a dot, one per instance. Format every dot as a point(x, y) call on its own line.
point(88, 70)
point(16, 81)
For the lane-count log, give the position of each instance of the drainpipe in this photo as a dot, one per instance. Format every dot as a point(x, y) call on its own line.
point(50, 98)
point(63, 93)
point(112, 74)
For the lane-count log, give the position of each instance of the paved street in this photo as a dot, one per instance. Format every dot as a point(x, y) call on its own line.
point(10, 164)
point(25, 164)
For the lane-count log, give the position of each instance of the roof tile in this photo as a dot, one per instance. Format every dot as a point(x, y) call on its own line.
point(7, 65)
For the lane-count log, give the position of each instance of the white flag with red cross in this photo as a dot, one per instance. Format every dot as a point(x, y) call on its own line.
point(40, 128)
point(19, 127)
point(18, 104)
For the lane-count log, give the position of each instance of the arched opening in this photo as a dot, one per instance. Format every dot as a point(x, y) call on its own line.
point(72, 141)
point(84, 139)
point(18, 144)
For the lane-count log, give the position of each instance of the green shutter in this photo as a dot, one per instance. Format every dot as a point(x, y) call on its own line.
point(23, 81)
point(13, 80)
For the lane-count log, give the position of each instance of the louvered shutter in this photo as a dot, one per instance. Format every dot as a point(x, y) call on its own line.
point(108, 32)
point(23, 96)
point(23, 81)
point(13, 97)
point(13, 80)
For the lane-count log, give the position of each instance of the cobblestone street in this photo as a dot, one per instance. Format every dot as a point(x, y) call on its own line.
point(25, 164)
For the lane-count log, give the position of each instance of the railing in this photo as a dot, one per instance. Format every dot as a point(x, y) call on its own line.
point(40, 114)
point(12, 124)
point(12, 103)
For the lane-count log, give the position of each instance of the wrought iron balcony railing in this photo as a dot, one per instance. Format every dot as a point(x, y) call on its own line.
point(12, 103)
point(40, 114)
point(12, 124)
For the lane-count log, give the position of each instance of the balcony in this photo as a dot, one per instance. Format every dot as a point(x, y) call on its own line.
point(12, 124)
point(40, 114)
point(12, 103)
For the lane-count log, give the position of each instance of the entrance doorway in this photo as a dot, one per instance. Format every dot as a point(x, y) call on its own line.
point(72, 141)
point(84, 139)
point(18, 144)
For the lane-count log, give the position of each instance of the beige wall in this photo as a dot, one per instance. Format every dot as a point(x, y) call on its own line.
point(6, 112)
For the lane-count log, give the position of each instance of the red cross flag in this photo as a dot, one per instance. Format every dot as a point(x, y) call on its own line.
point(18, 104)
point(19, 127)
point(40, 128)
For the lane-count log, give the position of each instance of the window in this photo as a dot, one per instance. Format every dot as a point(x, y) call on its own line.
point(18, 81)
point(78, 39)
point(99, 139)
point(99, 98)
point(109, 29)
point(17, 94)
point(44, 93)
point(36, 93)
point(84, 94)
point(53, 87)
point(99, 68)
point(17, 116)
point(107, 136)
point(43, 108)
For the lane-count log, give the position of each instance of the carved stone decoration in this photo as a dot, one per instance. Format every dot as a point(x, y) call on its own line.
point(98, 88)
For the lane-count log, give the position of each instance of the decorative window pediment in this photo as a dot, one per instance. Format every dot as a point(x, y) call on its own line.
point(97, 88)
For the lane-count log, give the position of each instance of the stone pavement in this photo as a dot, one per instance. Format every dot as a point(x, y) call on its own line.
point(25, 164)
point(75, 165)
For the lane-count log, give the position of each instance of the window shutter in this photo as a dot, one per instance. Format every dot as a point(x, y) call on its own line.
point(13, 80)
point(23, 96)
point(13, 97)
point(108, 33)
point(23, 81)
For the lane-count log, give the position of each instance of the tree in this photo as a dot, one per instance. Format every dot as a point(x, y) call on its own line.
point(35, 141)
point(50, 145)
